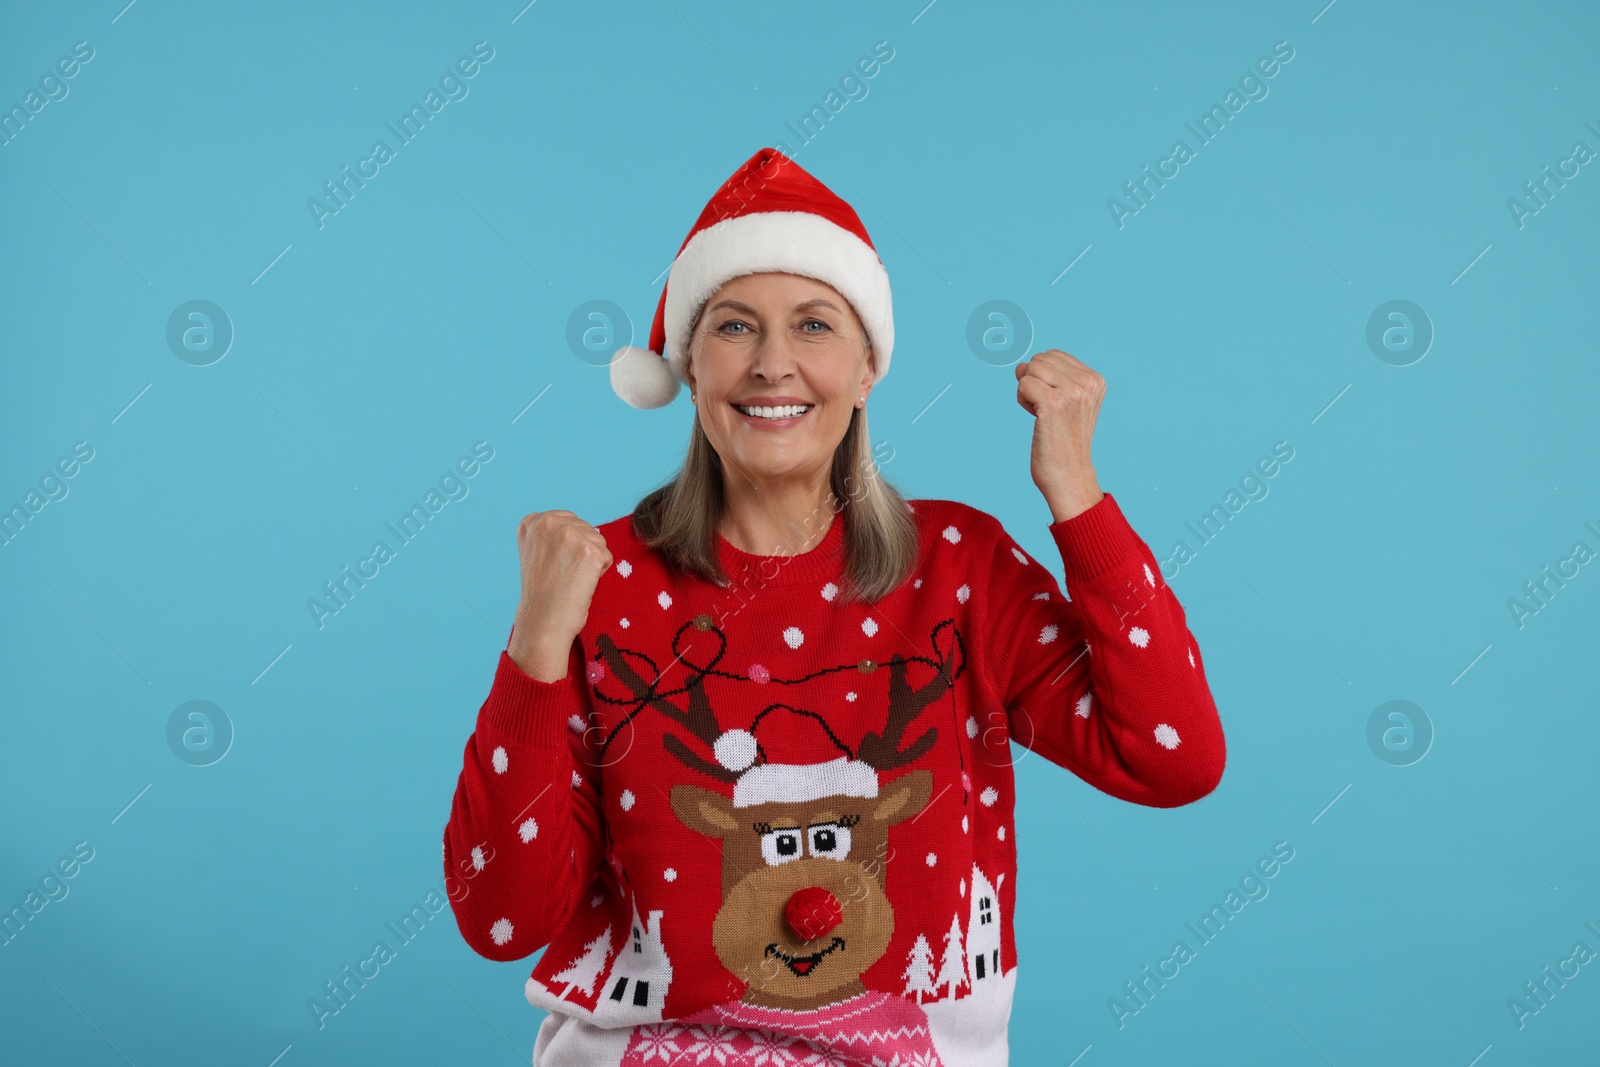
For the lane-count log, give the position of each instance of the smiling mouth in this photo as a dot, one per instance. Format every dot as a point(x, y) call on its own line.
point(775, 413)
point(804, 965)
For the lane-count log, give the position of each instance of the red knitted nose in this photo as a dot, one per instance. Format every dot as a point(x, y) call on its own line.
point(812, 912)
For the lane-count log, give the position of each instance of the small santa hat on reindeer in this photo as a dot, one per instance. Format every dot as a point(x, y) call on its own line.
point(797, 758)
point(769, 216)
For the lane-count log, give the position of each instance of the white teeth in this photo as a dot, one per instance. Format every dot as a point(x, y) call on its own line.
point(785, 412)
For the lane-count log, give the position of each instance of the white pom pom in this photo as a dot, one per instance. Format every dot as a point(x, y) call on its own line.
point(736, 749)
point(642, 378)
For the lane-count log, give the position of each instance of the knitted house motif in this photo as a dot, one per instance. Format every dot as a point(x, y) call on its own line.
point(983, 932)
point(969, 1025)
point(636, 988)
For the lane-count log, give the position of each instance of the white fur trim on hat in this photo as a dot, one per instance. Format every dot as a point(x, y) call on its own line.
point(642, 378)
point(794, 242)
point(799, 782)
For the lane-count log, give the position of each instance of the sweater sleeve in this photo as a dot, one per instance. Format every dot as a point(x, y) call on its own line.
point(525, 836)
point(1109, 684)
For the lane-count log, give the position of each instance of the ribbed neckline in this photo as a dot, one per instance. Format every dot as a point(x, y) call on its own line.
point(823, 560)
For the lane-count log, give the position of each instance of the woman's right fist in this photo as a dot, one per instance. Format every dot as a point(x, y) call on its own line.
point(562, 560)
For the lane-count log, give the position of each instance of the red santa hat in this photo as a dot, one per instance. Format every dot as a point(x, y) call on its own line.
point(797, 758)
point(770, 216)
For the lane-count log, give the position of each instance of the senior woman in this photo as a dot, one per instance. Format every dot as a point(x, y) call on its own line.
point(745, 770)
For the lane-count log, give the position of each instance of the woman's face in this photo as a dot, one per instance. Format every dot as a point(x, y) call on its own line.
point(782, 341)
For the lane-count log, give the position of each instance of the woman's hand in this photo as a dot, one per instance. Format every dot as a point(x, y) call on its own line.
point(1063, 394)
point(562, 560)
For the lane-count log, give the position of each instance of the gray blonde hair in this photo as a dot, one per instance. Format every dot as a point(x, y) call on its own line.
point(681, 518)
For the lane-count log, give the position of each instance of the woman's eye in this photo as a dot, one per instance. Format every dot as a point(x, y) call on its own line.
point(830, 841)
point(816, 322)
point(780, 846)
point(734, 322)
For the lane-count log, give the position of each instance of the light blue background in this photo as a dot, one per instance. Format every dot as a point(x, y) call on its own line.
point(1228, 314)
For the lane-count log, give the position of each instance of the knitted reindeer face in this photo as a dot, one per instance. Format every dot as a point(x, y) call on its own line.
point(777, 853)
point(804, 843)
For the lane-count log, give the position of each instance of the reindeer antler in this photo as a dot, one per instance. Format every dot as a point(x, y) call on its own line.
point(879, 750)
point(698, 719)
point(882, 751)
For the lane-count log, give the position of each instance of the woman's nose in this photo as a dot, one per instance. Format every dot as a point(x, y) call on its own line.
point(772, 359)
point(812, 912)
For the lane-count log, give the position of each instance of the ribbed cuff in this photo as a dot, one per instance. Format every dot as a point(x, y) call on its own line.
point(527, 709)
point(1096, 541)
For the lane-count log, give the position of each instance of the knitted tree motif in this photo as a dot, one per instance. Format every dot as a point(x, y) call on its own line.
point(953, 965)
point(582, 971)
point(919, 969)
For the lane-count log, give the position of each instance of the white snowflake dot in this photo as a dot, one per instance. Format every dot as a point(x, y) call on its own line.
point(1148, 577)
point(1042, 596)
point(952, 534)
point(792, 637)
point(917, 584)
point(989, 795)
point(625, 624)
point(670, 874)
point(1139, 636)
point(1167, 736)
point(500, 932)
point(1082, 710)
point(575, 723)
point(972, 726)
point(850, 695)
point(594, 901)
point(1001, 833)
point(624, 568)
point(963, 593)
point(869, 627)
point(932, 859)
point(528, 830)
point(477, 858)
point(830, 591)
point(1048, 632)
point(1015, 551)
point(1191, 657)
point(963, 824)
point(664, 599)
point(577, 779)
point(627, 800)
point(500, 760)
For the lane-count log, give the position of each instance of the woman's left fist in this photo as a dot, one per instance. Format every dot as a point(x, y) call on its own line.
point(1063, 394)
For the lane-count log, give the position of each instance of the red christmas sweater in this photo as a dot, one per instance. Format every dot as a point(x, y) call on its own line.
point(758, 823)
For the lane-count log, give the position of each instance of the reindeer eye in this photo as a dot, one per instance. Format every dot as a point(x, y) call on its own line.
point(830, 841)
point(780, 846)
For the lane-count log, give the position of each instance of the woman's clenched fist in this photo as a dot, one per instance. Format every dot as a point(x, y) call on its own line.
point(562, 560)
